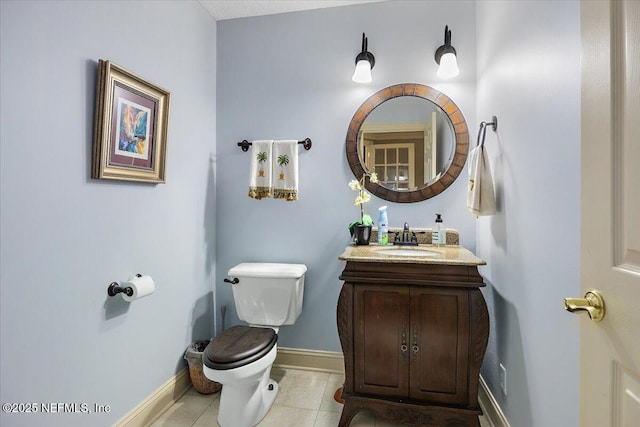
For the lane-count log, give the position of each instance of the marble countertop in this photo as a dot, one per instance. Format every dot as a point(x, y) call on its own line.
point(446, 255)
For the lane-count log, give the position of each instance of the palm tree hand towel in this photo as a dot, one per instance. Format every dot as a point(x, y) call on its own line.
point(285, 170)
point(261, 169)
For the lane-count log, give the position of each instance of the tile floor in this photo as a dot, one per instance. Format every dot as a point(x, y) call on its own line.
point(305, 399)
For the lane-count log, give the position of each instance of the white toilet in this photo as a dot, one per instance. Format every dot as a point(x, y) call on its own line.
point(267, 296)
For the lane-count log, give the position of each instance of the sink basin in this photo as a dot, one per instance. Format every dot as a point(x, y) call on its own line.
point(407, 252)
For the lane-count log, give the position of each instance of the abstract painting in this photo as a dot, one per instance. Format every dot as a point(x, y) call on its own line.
point(130, 132)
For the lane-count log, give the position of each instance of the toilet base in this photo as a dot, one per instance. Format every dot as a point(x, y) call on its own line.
point(255, 409)
point(247, 392)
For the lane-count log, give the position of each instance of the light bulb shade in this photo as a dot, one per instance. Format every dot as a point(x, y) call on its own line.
point(446, 57)
point(365, 61)
point(448, 66)
point(362, 74)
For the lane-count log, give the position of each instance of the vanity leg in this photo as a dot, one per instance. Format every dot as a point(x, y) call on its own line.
point(348, 412)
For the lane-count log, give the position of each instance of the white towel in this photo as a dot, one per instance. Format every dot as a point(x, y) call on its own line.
point(480, 197)
point(261, 169)
point(285, 170)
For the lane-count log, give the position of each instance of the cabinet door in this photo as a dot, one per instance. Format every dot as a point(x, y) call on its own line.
point(440, 334)
point(381, 323)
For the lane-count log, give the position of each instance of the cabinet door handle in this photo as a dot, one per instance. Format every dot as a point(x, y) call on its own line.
point(415, 347)
point(404, 347)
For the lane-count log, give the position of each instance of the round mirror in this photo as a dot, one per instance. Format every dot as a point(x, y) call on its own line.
point(413, 137)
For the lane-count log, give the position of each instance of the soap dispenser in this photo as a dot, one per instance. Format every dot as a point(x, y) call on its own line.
point(383, 226)
point(439, 233)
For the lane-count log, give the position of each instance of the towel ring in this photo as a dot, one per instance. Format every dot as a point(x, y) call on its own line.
point(483, 129)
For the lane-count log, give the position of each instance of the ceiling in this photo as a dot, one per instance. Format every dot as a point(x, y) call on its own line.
point(229, 9)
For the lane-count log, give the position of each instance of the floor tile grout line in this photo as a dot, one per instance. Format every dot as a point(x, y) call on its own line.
point(205, 410)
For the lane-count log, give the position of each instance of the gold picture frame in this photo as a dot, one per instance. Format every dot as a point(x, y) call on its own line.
point(130, 129)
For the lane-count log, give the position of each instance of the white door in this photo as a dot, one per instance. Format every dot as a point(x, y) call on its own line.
point(610, 254)
point(431, 149)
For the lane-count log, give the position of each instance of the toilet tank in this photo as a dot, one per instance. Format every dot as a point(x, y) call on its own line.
point(268, 294)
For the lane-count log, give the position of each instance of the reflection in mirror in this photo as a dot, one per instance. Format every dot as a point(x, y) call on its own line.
point(407, 141)
point(414, 137)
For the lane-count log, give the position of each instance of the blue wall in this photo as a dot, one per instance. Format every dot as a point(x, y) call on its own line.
point(529, 77)
point(288, 76)
point(65, 237)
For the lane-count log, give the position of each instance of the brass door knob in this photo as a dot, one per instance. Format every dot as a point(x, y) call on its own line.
point(592, 304)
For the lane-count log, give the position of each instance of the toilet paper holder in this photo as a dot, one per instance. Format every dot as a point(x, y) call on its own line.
point(115, 288)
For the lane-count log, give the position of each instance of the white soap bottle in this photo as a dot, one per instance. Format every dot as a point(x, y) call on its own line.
point(439, 234)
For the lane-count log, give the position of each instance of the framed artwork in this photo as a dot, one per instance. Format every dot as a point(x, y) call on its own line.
point(130, 130)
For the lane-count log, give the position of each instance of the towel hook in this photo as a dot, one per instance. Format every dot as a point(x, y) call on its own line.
point(483, 129)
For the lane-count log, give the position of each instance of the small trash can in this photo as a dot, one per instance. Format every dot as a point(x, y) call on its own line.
point(193, 356)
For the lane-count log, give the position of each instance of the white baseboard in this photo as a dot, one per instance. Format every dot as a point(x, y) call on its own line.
point(489, 405)
point(310, 360)
point(158, 402)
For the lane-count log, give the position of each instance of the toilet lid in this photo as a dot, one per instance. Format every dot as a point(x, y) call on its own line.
point(238, 346)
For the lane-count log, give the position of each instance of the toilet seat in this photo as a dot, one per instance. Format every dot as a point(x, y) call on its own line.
point(238, 346)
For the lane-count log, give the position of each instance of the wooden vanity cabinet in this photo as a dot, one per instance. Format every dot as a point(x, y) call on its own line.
point(413, 338)
point(403, 342)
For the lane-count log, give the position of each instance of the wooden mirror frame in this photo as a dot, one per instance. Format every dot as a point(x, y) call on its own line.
point(461, 141)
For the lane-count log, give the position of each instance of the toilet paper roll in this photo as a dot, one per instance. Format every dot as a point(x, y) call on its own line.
point(142, 286)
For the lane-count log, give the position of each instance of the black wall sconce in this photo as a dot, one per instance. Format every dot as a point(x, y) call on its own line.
point(446, 57)
point(364, 63)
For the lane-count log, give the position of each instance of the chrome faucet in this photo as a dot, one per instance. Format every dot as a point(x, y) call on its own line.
point(407, 238)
